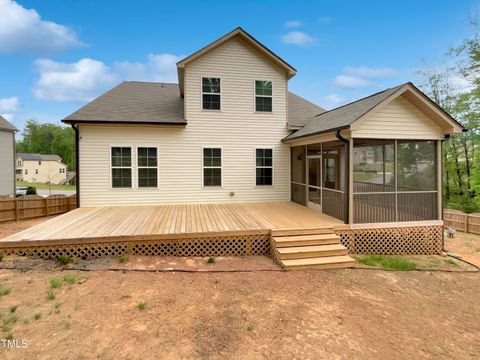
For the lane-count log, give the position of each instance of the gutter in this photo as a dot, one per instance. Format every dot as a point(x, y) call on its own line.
point(346, 198)
point(286, 139)
point(132, 122)
point(77, 162)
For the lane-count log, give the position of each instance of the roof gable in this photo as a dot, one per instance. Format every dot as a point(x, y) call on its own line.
point(249, 39)
point(6, 126)
point(351, 115)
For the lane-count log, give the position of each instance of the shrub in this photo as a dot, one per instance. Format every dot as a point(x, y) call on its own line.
point(4, 290)
point(211, 260)
point(142, 305)
point(50, 295)
point(55, 283)
point(37, 316)
point(64, 259)
point(2, 255)
point(13, 308)
point(31, 190)
point(123, 259)
point(70, 279)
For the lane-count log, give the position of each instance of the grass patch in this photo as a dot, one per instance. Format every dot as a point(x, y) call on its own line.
point(37, 316)
point(43, 186)
point(50, 295)
point(451, 262)
point(4, 290)
point(2, 255)
point(388, 262)
point(55, 283)
point(8, 336)
point(123, 259)
point(64, 259)
point(13, 308)
point(142, 305)
point(70, 279)
point(211, 260)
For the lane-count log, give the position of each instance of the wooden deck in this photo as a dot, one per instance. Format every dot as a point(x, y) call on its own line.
point(124, 223)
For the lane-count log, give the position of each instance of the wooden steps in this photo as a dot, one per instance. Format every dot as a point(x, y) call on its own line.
point(306, 249)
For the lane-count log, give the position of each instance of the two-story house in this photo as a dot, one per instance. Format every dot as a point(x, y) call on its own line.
point(7, 158)
point(40, 168)
point(230, 131)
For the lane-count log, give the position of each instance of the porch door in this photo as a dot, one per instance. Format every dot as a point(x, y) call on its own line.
point(314, 190)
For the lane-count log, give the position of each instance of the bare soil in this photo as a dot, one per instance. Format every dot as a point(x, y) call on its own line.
point(466, 246)
point(351, 314)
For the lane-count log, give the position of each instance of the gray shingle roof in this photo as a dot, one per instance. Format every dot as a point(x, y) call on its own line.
point(301, 111)
point(134, 102)
point(159, 103)
point(37, 157)
point(342, 116)
point(5, 125)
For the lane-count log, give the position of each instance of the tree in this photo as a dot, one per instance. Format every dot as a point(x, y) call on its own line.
point(49, 139)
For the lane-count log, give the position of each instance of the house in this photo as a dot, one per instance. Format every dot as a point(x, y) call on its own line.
point(230, 162)
point(7, 158)
point(40, 168)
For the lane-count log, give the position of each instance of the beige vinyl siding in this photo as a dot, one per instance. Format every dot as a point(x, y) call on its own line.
point(7, 158)
point(399, 119)
point(48, 171)
point(237, 129)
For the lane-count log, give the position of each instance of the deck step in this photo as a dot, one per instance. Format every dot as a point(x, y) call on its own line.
point(302, 231)
point(306, 240)
point(303, 252)
point(328, 262)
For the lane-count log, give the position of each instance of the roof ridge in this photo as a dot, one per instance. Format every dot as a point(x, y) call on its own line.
point(149, 82)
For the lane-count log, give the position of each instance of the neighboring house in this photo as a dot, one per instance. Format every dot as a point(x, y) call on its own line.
point(230, 131)
point(40, 168)
point(7, 158)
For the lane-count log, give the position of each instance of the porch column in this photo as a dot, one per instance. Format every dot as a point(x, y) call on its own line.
point(349, 189)
point(439, 180)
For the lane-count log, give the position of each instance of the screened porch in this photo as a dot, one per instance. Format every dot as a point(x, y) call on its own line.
point(369, 180)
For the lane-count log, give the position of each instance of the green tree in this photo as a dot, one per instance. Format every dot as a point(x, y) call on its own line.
point(49, 139)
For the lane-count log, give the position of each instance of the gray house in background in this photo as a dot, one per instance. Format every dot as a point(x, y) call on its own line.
point(7, 158)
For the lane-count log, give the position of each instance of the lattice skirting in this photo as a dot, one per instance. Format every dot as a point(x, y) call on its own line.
point(416, 240)
point(235, 245)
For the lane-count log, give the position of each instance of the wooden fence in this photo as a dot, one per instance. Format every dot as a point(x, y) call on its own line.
point(32, 206)
point(469, 223)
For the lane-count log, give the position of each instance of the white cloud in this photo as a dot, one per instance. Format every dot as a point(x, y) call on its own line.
point(333, 99)
point(350, 81)
point(368, 72)
point(10, 107)
point(23, 30)
point(298, 38)
point(158, 67)
point(79, 81)
point(293, 23)
point(85, 79)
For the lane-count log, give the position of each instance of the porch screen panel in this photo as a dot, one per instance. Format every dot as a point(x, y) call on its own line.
point(373, 208)
point(298, 175)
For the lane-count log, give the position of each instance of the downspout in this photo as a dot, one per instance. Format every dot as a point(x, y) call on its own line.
point(77, 163)
point(346, 197)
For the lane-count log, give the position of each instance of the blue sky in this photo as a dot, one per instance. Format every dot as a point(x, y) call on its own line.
point(55, 55)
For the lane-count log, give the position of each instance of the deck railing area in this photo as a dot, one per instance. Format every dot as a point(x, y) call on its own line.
point(32, 206)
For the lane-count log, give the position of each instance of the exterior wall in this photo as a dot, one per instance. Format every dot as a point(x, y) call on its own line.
point(399, 119)
point(7, 165)
point(47, 171)
point(237, 129)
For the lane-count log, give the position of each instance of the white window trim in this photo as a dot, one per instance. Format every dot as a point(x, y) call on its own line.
point(131, 167)
point(255, 165)
point(207, 93)
point(255, 98)
point(146, 167)
point(214, 167)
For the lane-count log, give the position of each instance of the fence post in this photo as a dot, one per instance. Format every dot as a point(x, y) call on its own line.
point(16, 209)
point(466, 223)
point(46, 206)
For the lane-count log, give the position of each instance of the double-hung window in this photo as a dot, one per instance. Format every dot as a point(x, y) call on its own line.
point(147, 167)
point(263, 96)
point(211, 93)
point(264, 166)
point(212, 167)
point(121, 167)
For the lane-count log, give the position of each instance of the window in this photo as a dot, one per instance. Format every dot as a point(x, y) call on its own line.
point(39, 162)
point(36, 171)
point(26, 171)
point(211, 93)
point(264, 166)
point(19, 162)
point(263, 96)
point(212, 167)
point(62, 170)
point(121, 167)
point(147, 166)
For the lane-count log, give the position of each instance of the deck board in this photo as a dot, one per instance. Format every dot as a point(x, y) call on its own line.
point(137, 222)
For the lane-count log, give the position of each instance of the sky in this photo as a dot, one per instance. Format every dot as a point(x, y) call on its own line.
point(56, 55)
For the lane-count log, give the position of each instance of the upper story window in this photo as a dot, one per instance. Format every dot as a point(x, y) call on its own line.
point(19, 162)
point(263, 95)
point(211, 93)
point(121, 167)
